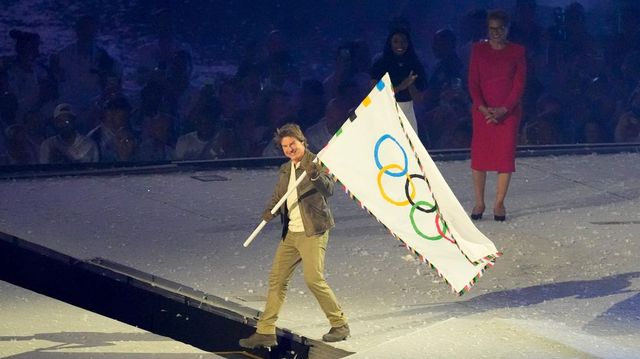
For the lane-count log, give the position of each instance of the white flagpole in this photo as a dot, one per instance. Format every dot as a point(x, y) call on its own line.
point(275, 209)
point(278, 205)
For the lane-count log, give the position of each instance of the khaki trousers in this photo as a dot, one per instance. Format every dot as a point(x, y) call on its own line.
point(295, 248)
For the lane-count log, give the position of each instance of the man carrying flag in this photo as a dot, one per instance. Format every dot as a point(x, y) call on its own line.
point(307, 221)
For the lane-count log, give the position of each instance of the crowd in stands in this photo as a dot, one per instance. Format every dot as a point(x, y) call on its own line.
point(70, 106)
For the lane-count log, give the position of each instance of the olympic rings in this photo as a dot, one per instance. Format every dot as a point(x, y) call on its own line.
point(410, 197)
point(377, 158)
point(421, 205)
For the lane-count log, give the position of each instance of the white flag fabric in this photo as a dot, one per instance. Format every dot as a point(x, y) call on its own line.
point(380, 161)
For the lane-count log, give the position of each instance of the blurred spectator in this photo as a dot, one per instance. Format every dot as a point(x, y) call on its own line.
point(204, 143)
point(154, 144)
point(67, 146)
point(279, 70)
point(126, 145)
point(603, 99)
point(8, 108)
point(473, 28)
point(444, 123)
point(4, 151)
point(18, 149)
point(543, 130)
point(22, 74)
point(626, 37)
point(592, 132)
point(526, 31)
point(179, 94)
point(461, 136)
point(275, 111)
point(81, 66)
point(157, 55)
point(630, 74)
point(448, 70)
point(311, 103)
point(545, 127)
point(320, 133)
point(352, 62)
point(111, 88)
point(24, 139)
point(232, 100)
point(628, 126)
point(149, 102)
point(524, 28)
point(568, 37)
point(437, 121)
point(114, 119)
point(407, 74)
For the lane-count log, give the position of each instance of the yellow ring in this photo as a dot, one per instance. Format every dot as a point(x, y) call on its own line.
point(384, 194)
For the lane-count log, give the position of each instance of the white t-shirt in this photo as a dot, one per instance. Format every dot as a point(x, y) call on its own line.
point(83, 149)
point(295, 219)
point(191, 147)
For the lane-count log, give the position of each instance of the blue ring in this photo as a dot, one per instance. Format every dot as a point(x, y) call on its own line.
point(377, 158)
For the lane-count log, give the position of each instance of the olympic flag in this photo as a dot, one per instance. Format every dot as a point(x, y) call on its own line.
point(382, 164)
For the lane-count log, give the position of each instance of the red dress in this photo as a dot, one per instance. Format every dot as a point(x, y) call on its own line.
point(496, 79)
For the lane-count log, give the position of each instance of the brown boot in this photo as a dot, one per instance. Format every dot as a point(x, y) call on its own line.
point(337, 334)
point(257, 340)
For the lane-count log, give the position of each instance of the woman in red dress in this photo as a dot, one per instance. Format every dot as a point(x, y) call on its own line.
point(497, 73)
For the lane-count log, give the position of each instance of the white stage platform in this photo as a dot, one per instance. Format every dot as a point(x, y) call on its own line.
point(566, 287)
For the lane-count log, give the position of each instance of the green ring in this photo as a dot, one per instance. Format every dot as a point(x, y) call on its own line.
point(413, 222)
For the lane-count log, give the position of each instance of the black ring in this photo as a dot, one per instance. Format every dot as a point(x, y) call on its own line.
point(406, 192)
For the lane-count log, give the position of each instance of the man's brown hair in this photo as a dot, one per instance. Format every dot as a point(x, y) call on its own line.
point(289, 130)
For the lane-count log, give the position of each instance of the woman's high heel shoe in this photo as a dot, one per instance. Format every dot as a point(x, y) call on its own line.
point(475, 214)
point(500, 217)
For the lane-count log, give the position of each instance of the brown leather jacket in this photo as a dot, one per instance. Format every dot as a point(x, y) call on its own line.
point(312, 199)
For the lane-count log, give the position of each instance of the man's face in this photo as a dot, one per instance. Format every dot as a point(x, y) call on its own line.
point(292, 148)
point(64, 125)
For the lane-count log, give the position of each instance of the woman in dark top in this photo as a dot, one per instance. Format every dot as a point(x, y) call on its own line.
point(407, 73)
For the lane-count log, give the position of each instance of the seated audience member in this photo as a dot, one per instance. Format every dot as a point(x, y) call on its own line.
point(439, 123)
point(8, 109)
point(592, 132)
point(22, 73)
point(67, 146)
point(111, 88)
point(149, 103)
point(319, 134)
point(628, 126)
point(448, 70)
point(126, 145)
point(275, 111)
point(4, 151)
point(543, 130)
point(79, 66)
point(458, 135)
point(546, 126)
point(204, 143)
point(18, 149)
point(179, 94)
point(352, 62)
point(154, 144)
point(311, 103)
point(23, 140)
point(115, 117)
point(157, 53)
